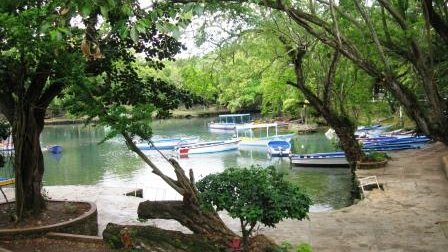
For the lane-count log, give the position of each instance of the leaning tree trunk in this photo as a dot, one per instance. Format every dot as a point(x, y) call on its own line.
point(28, 161)
point(343, 126)
point(206, 225)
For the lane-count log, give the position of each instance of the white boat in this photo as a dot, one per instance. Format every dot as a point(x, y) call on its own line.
point(248, 137)
point(208, 147)
point(167, 143)
point(318, 161)
point(279, 148)
point(229, 121)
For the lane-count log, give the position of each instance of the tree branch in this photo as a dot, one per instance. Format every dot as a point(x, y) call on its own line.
point(172, 183)
point(329, 80)
point(50, 93)
point(436, 21)
point(38, 80)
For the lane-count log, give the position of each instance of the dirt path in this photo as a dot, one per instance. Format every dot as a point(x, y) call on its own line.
point(411, 214)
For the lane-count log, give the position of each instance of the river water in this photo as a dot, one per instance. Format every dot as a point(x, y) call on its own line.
point(85, 162)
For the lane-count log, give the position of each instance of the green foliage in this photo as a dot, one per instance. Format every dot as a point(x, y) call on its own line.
point(254, 195)
point(375, 156)
point(85, 49)
point(304, 247)
point(284, 247)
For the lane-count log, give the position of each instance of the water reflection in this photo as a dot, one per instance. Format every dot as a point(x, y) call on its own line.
point(85, 162)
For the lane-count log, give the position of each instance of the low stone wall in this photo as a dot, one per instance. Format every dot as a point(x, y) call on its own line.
point(445, 165)
point(85, 224)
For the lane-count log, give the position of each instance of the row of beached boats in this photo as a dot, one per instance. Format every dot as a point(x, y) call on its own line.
point(372, 138)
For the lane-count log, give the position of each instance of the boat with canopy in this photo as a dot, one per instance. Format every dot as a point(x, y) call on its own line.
point(229, 121)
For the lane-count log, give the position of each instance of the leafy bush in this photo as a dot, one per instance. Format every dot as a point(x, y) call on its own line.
point(375, 156)
point(253, 195)
point(304, 247)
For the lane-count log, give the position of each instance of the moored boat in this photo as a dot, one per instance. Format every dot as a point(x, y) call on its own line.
point(229, 121)
point(55, 149)
point(318, 161)
point(207, 147)
point(279, 148)
point(248, 137)
point(167, 143)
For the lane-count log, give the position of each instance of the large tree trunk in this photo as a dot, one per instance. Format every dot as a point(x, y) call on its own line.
point(29, 164)
point(150, 238)
point(190, 215)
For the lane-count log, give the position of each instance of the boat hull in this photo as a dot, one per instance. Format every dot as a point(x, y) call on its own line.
point(55, 149)
point(330, 162)
point(208, 147)
point(262, 142)
point(222, 126)
point(167, 144)
point(279, 148)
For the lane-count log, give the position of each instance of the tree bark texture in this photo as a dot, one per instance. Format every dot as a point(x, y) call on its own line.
point(199, 221)
point(29, 165)
point(149, 238)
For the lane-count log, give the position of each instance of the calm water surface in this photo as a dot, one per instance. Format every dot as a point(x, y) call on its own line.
point(84, 162)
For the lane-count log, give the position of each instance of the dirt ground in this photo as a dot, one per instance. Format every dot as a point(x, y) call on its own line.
point(52, 245)
point(55, 212)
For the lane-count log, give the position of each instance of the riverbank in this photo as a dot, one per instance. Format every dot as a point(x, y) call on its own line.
point(411, 214)
point(177, 114)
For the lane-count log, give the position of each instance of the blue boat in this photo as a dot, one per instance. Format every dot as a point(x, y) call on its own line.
point(55, 149)
point(390, 147)
point(406, 139)
point(279, 148)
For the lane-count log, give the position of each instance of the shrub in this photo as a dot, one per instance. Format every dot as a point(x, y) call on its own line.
point(375, 156)
point(253, 195)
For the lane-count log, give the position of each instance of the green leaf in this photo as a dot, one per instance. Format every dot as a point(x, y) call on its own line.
point(127, 10)
point(85, 10)
point(134, 34)
point(104, 11)
point(55, 35)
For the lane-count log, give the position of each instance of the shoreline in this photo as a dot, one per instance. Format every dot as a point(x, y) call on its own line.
point(176, 114)
point(411, 214)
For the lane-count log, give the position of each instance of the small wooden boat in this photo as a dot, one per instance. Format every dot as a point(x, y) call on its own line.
point(229, 121)
point(167, 143)
point(318, 161)
point(207, 147)
point(279, 148)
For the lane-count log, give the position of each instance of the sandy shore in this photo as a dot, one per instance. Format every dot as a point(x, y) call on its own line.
point(411, 214)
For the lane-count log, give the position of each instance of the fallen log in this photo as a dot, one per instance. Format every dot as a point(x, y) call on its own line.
point(149, 238)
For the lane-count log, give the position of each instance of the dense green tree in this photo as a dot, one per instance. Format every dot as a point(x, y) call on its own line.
point(392, 41)
point(48, 46)
point(254, 195)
